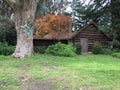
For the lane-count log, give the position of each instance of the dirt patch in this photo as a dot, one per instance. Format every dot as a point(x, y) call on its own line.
point(96, 87)
point(24, 68)
point(47, 84)
point(49, 67)
point(48, 64)
point(33, 84)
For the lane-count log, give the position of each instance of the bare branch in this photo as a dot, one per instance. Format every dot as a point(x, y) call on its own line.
point(12, 1)
point(15, 3)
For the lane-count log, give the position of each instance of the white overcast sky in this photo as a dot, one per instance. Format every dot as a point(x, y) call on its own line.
point(69, 9)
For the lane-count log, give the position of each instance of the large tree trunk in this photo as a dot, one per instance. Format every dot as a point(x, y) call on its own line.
point(24, 21)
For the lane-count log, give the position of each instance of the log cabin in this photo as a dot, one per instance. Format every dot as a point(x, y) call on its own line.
point(86, 37)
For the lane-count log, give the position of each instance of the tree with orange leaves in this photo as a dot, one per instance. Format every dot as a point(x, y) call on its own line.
point(52, 26)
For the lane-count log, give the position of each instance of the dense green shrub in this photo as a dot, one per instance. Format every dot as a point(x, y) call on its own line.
point(40, 49)
point(7, 31)
point(115, 50)
point(96, 49)
point(78, 48)
point(60, 49)
point(5, 49)
point(106, 51)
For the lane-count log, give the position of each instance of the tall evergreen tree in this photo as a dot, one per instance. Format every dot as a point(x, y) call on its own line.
point(115, 12)
point(98, 11)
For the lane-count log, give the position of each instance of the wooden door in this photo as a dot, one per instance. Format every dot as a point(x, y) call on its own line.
point(84, 44)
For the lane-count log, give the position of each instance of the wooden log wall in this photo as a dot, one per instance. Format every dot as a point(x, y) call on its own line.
point(93, 35)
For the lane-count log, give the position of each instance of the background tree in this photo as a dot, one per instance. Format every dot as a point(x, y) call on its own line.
point(52, 26)
point(97, 11)
point(7, 27)
point(5, 9)
point(115, 12)
point(51, 7)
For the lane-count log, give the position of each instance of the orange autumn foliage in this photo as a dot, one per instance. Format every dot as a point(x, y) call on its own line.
point(52, 26)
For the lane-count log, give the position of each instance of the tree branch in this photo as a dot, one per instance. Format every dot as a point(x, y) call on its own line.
point(15, 2)
point(12, 1)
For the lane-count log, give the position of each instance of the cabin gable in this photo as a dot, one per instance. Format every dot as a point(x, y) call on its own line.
point(92, 35)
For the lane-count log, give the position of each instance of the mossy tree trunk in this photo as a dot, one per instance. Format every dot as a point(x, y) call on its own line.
point(24, 11)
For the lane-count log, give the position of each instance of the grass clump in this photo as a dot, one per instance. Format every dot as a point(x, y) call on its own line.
point(60, 49)
point(116, 55)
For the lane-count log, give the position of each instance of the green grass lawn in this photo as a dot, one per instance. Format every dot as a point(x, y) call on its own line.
point(44, 72)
